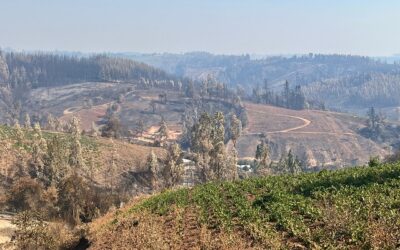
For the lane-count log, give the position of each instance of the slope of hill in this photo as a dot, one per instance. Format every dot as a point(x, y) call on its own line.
point(318, 138)
point(109, 173)
point(356, 208)
point(341, 81)
point(22, 72)
point(130, 159)
point(46, 69)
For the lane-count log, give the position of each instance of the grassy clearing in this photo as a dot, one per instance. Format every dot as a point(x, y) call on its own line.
point(353, 208)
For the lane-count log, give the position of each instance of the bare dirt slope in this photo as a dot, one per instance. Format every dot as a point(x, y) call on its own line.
point(6, 228)
point(318, 137)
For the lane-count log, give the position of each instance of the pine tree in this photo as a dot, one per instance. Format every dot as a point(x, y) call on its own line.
point(286, 93)
point(208, 143)
point(39, 149)
point(235, 129)
point(292, 163)
point(92, 165)
point(201, 140)
point(72, 200)
point(112, 127)
point(20, 166)
point(232, 173)
point(27, 123)
point(189, 90)
point(262, 154)
point(57, 161)
point(153, 106)
point(51, 122)
point(19, 134)
point(152, 165)
point(257, 94)
point(4, 72)
point(299, 101)
point(163, 131)
point(174, 168)
point(75, 158)
point(204, 91)
point(58, 124)
point(218, 154)
point(140, 127)
point(267, 93)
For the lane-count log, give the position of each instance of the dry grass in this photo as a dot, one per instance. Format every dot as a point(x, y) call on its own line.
point(328, 138)
point(86, 116)
point(143, 230)
point(130, 157)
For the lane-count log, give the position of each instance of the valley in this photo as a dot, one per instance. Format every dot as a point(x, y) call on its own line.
point(323, 139)
point(178, 156)
point(201, 124)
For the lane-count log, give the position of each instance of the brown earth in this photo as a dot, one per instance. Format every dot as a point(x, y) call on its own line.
point(6, 228)
point(321, 138)
point(86, 116)
point(318, 137)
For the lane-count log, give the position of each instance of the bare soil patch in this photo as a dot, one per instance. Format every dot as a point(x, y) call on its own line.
point(321, 138)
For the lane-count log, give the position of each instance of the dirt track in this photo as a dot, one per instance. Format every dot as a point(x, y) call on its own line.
point(321, 138)
point(306, 122)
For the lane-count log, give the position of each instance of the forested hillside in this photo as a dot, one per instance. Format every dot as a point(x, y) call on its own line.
point(42, 69)
point(23, 73)
point(370, 89)
point(342, 81)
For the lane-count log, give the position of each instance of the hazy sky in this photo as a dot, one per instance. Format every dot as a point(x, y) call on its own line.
point(219, 26)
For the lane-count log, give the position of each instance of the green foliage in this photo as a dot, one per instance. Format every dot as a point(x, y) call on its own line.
point(161, 203)
point(374, 161)
point(356, 207)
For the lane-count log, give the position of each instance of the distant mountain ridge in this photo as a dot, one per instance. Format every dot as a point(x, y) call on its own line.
point(334, 79)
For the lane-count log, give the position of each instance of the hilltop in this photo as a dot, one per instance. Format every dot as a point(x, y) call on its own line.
point(352, 208)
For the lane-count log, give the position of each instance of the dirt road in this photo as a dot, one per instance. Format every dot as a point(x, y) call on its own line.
point(305, 121)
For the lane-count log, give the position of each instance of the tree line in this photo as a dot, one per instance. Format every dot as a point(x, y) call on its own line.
point(46, 69)
point(288, 98)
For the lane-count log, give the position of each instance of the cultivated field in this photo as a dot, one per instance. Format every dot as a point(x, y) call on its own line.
point(354, 208)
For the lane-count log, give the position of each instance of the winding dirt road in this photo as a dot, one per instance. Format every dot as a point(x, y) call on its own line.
point(305, 121)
